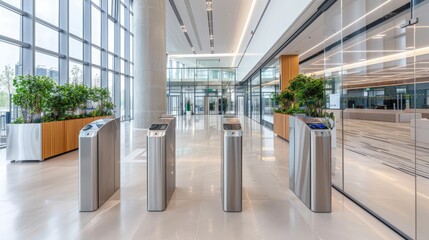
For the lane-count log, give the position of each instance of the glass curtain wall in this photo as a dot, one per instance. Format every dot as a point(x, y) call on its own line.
point(71, 41)
point(270, 85)
point(375, 62)
point(376, 66)
point(255, 96)
point(208, 90)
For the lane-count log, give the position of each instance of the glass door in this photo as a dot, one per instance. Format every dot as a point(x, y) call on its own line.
point(174, 105)
point(199, 105)
point(214, 107)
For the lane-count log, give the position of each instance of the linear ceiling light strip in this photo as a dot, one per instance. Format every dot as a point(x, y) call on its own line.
point(323, 7)
point(210, 22)
point(193, 24)
point(253, 32)
point(182, 25)
point(364, 29)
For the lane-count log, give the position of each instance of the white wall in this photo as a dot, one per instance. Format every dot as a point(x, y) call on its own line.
point(278, 18)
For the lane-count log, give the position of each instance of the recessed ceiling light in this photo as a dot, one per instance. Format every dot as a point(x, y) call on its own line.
point(209, 6)
point(378, 36)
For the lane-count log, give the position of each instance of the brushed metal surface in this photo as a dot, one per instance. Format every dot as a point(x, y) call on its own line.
point(161, 164)
point(321, 179)
point(88, 172)
point(292, 153)
point(24, 142)
point(106, 162)
point(117, 150)
point(231, 167)
point(302, 161)
point(99, 163)
point(310, 164)
point(156, 171)
point(170, 142)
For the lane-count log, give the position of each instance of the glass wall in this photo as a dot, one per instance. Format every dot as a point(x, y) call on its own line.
point(82, 42)
point(376, 66)
point(208, 90)
point(255, 96)
point(375, 61)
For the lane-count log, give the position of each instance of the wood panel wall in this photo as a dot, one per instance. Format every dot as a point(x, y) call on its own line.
point(289, 68)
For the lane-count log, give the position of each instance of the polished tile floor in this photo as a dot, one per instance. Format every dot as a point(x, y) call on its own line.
point(39, 200)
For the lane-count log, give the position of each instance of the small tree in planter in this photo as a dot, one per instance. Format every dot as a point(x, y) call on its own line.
point(77, 96)
point(58, 104)
point(284, 100)
point(188, 107)
point(32, 96)
point(309, 92)
point(304, 91)
point(101, 98)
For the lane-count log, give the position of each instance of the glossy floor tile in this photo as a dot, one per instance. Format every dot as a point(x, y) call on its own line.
point(39, 199)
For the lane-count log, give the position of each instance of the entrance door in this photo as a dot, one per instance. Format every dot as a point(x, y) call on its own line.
point(174, 105)
point(199, 105)
point(214, 105)
point(240, 105)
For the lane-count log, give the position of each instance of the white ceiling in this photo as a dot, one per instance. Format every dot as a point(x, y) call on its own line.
point(234, 24)
point(229, 19)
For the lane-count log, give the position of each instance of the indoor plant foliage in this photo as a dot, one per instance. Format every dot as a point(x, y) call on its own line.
point(40, 99)
point(32, 94)
point(188, 105)
point(305, 94)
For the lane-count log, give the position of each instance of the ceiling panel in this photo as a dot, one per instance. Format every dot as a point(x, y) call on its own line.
point(229, 21)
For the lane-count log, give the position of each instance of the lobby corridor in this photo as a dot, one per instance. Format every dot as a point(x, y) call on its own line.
point(39, 200)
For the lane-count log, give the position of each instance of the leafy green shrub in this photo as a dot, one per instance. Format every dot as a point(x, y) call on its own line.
point(41, 99)
point(101, 96)
point(32, 96)
point(305, 95)
point(188, 105)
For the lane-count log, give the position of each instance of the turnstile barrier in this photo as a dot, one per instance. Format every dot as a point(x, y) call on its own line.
point(310, 162)
point(99, 163)
point(161, 163)
point(231, 170)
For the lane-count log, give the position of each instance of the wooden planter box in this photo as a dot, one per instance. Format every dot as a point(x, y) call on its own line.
point(39, 141)
point(281, 125)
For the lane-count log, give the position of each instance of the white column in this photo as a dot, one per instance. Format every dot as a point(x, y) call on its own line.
point(150, 63)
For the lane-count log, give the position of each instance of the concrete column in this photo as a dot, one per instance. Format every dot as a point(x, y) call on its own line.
point(150, 64)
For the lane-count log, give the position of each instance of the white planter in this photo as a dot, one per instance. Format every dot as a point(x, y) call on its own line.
point(188, 113)
point(24, 142)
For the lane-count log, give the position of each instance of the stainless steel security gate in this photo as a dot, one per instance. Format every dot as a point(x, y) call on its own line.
point(231, 171)
point(99, 163)
point(161, 163)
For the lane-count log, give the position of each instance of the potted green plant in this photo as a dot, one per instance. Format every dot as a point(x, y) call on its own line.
point(188, 108)
point(51, 116)
point(305, 95)
point(32, 96)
